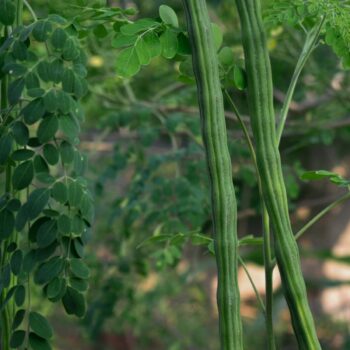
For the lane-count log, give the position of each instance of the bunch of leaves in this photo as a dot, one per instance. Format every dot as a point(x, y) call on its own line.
point(96, 17)
point(144, 39)
point(45, 216)
point(336, 14)
point(335, 178)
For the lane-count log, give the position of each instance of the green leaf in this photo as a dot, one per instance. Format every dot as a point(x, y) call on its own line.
point(66, 152)
point(74, 302)
point(78, 247)
point(15, 91)
point(38, 343)
point(324, 174)
point(59, 192)
point(58, 38)
point(64, 224)
point(56, 70)
point(13, 204)
point(7, 224)
point(9, 294)
point(226, 57)
point(217, 35)
point(152, 43)
point(239, 78)
point(56, 289)
point(41, 30)
point(200, 239)
point(80, 70)
point(70, 127)
point(33, 111)
point(19, 50)
point(317, 175)
point(184, 45)
point(22, 217)
point(75, 193)
point(22, 154)
point(19, 317)
point(5, 147)
point(168, 15)
point(138, 26)
point(20, 133)
point(68, 81)
point(14, 69)
point(65, 102)
point(23, 175)
point(47, 233)
point(78, 224)
point(79, 284)
point(39, 325)
point(160, 238)
point(40, 165)
point(70, 49)
point(169, 43)
point(17, 339)
point(44, 71)
point(47, 128)
point(128, 63)
point(37, 201)
point(7, 12)
point(16, 262)
point(100, 31)
point(32, 81)
point(142, 52)
point(51, 154)
point(20, 295)
point(121, 40)
point(79, 268)
point(80, 87)
point(49, 270)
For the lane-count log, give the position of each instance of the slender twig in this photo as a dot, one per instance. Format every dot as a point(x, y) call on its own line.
point(321, 214)
point(30, 9)
point(310, 43)
point(260, 301)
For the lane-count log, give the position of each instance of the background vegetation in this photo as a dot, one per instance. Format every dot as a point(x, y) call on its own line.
point(147, 173)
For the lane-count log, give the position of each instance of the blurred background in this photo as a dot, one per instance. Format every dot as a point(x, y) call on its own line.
point(148, 176)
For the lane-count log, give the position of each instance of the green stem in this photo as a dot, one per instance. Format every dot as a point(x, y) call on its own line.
point(309, 45)
point(269, 266)
point(223, 199)
point(30, 9)
point(321, 214)
point(19, 13)
point(258, 297)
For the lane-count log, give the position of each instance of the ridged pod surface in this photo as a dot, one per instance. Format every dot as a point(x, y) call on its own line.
point(224, 206)
point(260, 99)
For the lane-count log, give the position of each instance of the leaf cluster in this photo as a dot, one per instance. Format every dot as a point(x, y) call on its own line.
point(336, 14)
point(49, 203)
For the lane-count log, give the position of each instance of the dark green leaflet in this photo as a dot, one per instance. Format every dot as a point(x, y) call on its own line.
point(220, 169)
point(260, 96)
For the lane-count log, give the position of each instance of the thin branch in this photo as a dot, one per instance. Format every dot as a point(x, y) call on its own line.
point(260, 301)
point(30, 9)
point(321, 214)
point(310, 42)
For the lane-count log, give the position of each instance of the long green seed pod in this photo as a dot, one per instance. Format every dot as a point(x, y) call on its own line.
point(260, 99)
point(224, 206)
